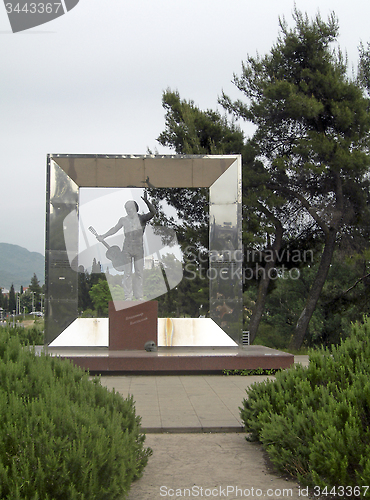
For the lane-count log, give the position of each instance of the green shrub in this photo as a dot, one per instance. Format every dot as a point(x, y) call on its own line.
point(314, 422)
point(27, 336)
point(63, 436)
point(252, 371)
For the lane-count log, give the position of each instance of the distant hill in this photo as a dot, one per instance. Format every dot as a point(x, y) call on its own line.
point(17, 266)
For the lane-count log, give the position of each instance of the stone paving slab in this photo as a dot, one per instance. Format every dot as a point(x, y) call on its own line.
point(199, 450)
point(216, 466)
point(191, 403)
point(167, 403)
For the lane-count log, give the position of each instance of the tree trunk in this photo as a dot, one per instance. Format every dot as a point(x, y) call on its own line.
point(315, 291)
point(263, 285)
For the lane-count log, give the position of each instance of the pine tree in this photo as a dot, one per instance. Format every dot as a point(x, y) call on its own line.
point(36, 289)
point(312, 134)
point(189, 130)
point(12, 299)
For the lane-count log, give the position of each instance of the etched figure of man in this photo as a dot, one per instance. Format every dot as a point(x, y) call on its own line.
point(133, 225)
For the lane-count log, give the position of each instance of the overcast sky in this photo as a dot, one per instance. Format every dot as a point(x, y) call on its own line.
point(92, 80)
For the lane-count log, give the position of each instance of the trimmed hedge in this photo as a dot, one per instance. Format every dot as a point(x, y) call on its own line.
point(63, 436)
point(314, 422)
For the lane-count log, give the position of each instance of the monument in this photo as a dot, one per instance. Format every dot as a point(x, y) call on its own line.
point(132, 339)
point(68, 174)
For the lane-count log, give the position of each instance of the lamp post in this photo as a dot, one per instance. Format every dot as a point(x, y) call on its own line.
point(17, 304)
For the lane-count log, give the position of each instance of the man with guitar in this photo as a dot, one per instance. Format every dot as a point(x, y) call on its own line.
point(133, 225)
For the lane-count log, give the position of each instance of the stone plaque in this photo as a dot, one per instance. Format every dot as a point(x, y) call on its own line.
point(132, 325)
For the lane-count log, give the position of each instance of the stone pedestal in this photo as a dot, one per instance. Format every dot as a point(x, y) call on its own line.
point(133, 325)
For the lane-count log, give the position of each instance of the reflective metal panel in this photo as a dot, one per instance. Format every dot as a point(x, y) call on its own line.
point(164, 171)
point(63, 190)
point(62, 199)
point(225, 245)
point(60, 279)
point(59, 315)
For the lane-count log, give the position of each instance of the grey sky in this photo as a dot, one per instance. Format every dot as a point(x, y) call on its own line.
point(92, 80)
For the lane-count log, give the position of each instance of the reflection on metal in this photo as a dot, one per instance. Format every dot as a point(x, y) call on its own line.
point(66, 174)
point(226, 256)
point(61, 280)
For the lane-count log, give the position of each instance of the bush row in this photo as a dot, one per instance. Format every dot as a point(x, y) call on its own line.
point(63, 436)
point(27, 336)
point(314, 422)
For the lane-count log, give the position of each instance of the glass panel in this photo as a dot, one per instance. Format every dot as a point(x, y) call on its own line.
point(139, 261)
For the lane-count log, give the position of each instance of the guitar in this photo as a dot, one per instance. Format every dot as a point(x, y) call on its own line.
point(113, 253)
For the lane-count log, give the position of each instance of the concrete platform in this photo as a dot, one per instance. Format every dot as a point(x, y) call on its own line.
point(174, 360)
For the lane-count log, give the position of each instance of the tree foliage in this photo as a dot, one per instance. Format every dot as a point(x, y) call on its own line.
point(312, 134)
point(100, 296)
point(364, 66)
point(36, 289)
point(189, 130)
point(12, 299)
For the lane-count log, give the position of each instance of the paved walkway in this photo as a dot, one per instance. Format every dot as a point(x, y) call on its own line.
point(199, 450)
point(187, 403)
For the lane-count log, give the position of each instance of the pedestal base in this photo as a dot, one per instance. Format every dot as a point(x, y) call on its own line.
point(133, 324)
point(175, 360)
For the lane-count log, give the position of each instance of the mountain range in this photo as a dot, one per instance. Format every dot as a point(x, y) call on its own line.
point(18, 265)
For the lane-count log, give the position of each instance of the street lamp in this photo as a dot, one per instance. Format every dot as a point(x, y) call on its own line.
point(17, 304)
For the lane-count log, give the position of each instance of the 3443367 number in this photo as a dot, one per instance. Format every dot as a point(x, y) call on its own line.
point(341, 491)
point(34, 8)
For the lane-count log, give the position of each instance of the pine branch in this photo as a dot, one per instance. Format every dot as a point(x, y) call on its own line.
point(357, 282)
